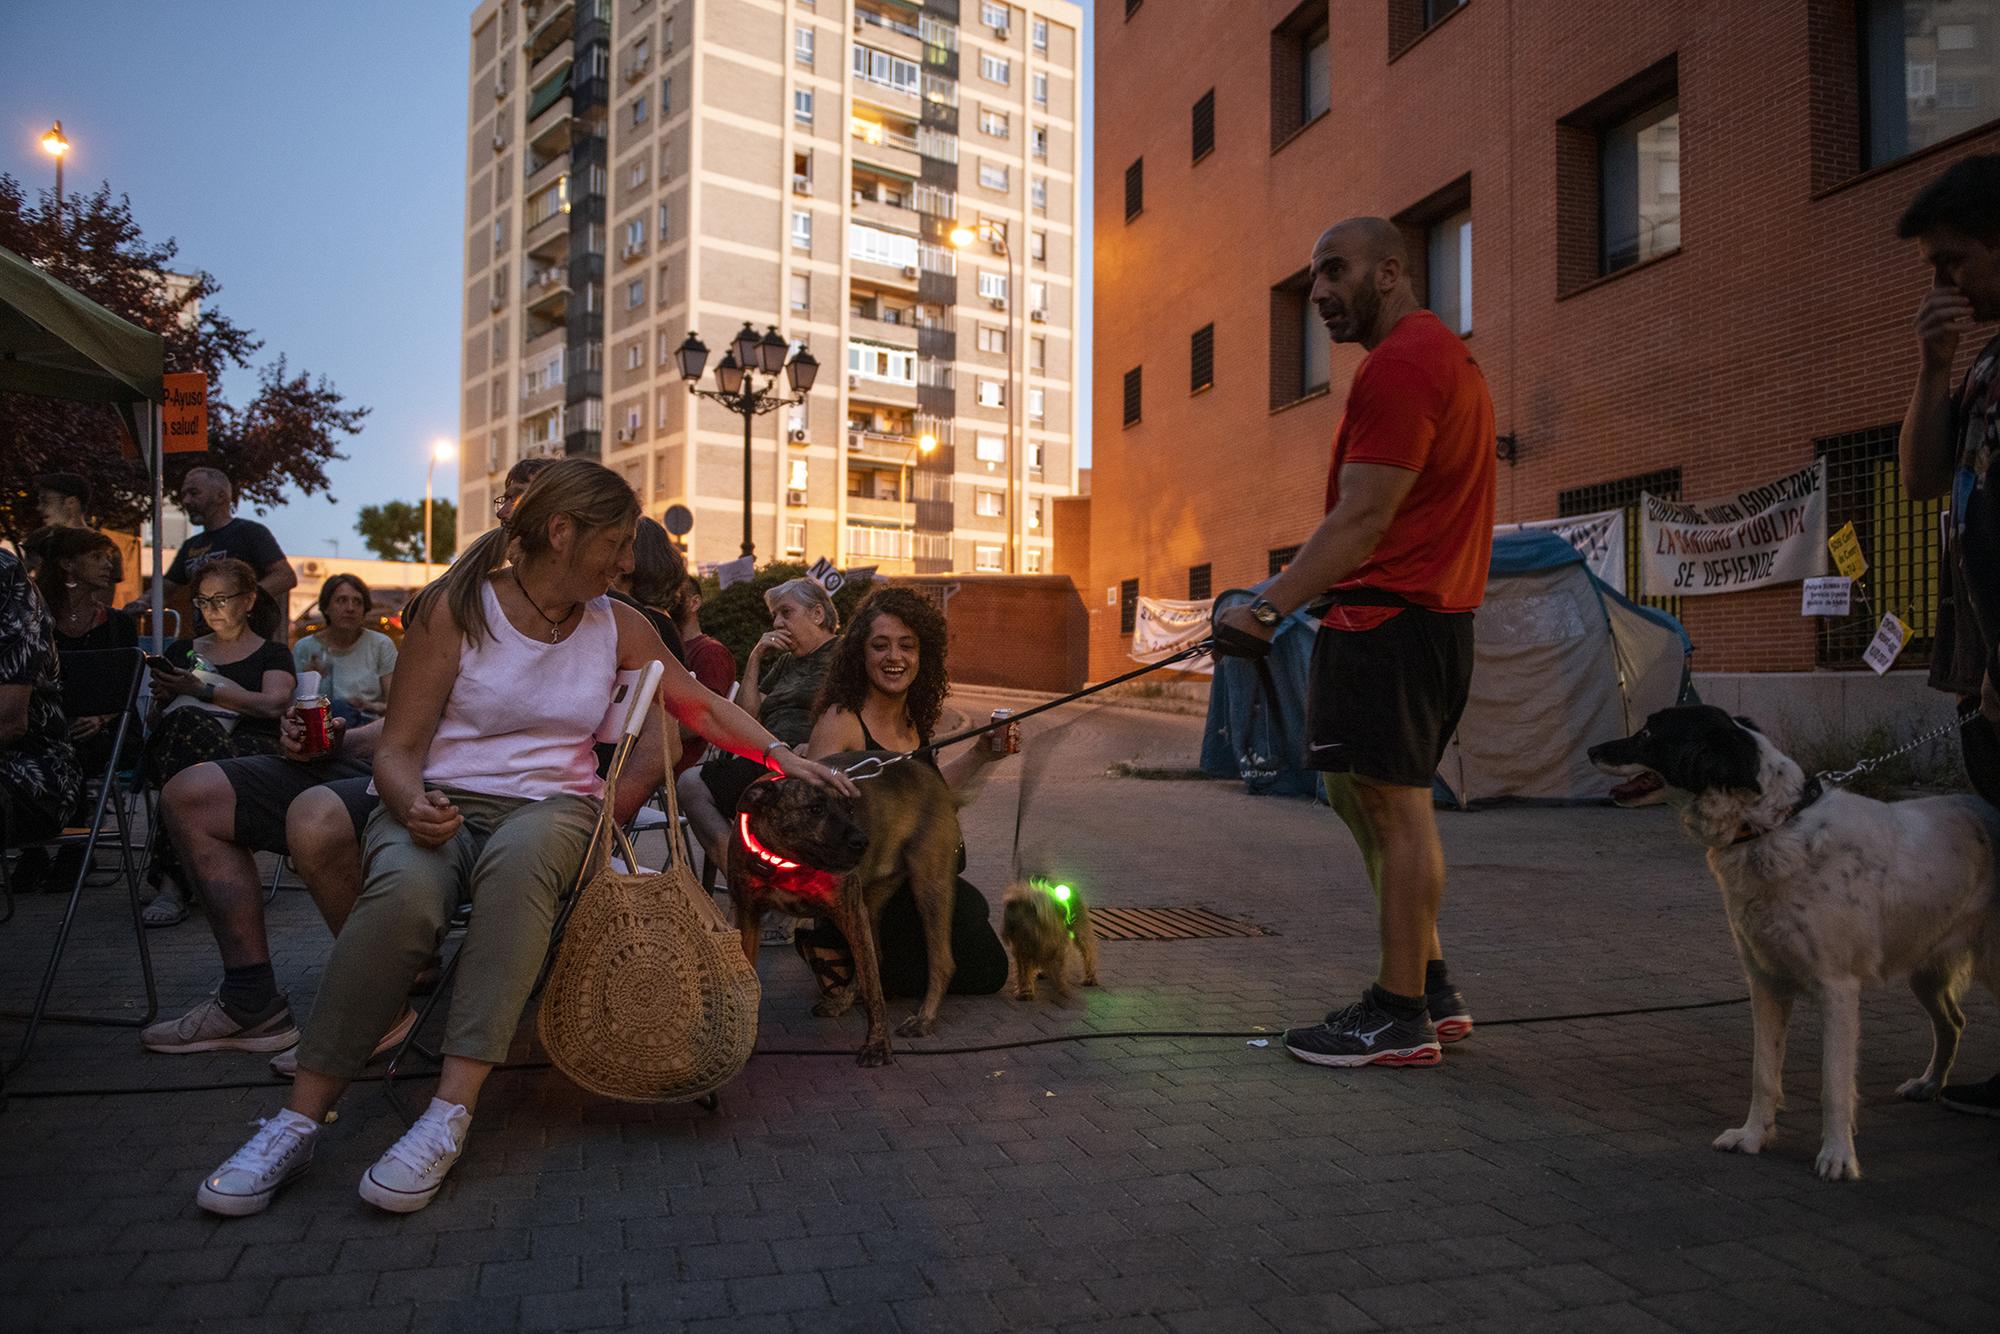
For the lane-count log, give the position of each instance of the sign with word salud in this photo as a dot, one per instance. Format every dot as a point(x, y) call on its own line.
point(184, 414)
point(1769, 534)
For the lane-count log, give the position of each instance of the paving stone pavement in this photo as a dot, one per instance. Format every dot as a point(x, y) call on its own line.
point(1553, 1174)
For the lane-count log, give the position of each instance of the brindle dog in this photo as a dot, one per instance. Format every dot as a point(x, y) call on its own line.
point(851, 855)
point(1040, 935)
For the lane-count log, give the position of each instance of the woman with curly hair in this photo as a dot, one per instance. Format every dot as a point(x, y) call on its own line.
point(885, 691)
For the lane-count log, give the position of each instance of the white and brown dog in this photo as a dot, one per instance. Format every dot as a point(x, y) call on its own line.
point(1826, 892)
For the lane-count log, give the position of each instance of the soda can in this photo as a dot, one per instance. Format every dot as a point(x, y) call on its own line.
point(1003, 740)
point(316, 713)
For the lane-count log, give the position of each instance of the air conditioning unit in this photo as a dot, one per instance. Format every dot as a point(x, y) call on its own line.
point(1039, 316)
point(997, 302)
point(802, 185)
point(798, 435)
point(854, 439)
point(499, 142)
point(860, 198)
point(795, 498)
point(909, 270)
point(499, 302)
point(634, 70)
point(853, 382)
point(625, 434)
point(999, 246)
point(631, 249)
point(859, 23)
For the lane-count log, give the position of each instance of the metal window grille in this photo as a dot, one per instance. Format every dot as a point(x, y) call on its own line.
point(1280, 558)
point(1128, 606)
point(1201, 583)
point(1204, 125)
point(1899, 536)
point(1201, 359)
point(1624, 494)
point(1135, 188)
point(1133, 394)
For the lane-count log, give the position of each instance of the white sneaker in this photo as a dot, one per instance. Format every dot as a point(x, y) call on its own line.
point(286, 1063)
point(280, 1150)
point(410, 1174)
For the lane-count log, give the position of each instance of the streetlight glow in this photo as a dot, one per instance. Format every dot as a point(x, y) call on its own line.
point(963, 236)
point(926, 443)
point(53, 142)
point(444, 451)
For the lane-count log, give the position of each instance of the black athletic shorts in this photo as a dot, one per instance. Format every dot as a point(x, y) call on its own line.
point(266, 786)
point(1383, 703)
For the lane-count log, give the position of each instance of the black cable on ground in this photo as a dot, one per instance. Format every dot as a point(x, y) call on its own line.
point(977, 1049)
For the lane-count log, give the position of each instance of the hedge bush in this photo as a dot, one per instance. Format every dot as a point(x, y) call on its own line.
point(738, 617)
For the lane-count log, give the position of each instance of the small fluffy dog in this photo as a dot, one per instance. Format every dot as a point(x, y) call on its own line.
point(1826, 892)
point(1040, 922)
point(812, 853)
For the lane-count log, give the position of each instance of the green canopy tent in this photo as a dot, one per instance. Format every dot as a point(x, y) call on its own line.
point(57, 343)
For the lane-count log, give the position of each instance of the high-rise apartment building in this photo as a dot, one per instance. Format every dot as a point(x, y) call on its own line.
point(640, 169)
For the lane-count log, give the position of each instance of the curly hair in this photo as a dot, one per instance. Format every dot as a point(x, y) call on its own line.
point(846, 681)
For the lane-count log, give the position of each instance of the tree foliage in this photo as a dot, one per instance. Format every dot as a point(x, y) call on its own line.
point(395, 531)
point(738, 617)
point(285, 436)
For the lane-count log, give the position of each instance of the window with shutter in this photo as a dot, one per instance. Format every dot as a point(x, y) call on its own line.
point(1132, 396)
point(1135, 188)
point(1204, 125)
point(1201, 359)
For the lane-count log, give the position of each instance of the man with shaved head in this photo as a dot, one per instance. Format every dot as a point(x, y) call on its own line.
point(1401, 557)
point(209, 498)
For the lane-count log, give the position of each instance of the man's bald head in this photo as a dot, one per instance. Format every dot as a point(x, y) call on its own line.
point(1364, 241)
point(1360, 279)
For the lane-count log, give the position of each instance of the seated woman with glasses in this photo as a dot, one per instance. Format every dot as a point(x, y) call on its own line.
point(490, 795)
point(215, 697)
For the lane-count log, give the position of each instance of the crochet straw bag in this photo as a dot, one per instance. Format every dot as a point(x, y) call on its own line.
point(651, 998)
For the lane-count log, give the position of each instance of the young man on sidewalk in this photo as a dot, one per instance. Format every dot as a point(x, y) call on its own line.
point(1950, 450)
point(1404, 547)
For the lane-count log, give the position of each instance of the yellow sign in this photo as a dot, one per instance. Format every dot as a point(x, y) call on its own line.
point(1846, 548)
point(184, 415)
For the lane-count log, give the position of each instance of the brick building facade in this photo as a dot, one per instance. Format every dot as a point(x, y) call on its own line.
point(1751, 311)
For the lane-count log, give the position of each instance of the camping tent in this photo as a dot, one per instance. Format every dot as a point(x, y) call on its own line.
point(1562, 661)
point(57, 343)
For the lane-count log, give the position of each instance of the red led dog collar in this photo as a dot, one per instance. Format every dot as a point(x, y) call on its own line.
point(758, 850)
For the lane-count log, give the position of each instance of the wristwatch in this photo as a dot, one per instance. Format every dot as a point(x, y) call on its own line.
point(1264, 613)
point(207, 692)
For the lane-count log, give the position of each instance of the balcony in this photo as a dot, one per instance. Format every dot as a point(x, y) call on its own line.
point(901, 331)
point(880, 510)
point(885, 447)
point(884, 146)
point(866, 389)
point(874, 542)
point(545, 293)
point(552, 25)
point(882, 213)
point(542, 344)
point(542, 398)
point(546, 172)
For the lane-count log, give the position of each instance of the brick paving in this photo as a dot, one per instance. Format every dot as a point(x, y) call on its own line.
point(1552, 1174)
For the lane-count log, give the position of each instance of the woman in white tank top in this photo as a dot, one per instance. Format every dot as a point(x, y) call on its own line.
point(489, 788)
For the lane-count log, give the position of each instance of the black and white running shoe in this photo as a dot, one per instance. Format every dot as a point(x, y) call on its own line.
point(1450, 1015)
point(1366, 1034)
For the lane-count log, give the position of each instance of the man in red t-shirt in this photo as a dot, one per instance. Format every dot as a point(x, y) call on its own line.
point(709, 661)
point(1404, 550)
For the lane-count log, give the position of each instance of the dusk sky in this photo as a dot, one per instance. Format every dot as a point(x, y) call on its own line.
point(312, 157)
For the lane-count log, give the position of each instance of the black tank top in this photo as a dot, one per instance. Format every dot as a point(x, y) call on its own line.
point(923, 755)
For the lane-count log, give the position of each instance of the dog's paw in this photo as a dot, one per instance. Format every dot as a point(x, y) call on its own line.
point(1090, 979)
point(916, 1026)
point(835, 1005)
point(874, 1053)
point(1836, 1162)
point(1743, 1139)
point(1024, 994)
point(1921, 1089)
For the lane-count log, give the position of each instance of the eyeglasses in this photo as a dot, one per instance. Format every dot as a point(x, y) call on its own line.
point(218, 602)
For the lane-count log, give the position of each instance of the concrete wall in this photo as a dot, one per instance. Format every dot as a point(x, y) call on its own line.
point(1804, 711)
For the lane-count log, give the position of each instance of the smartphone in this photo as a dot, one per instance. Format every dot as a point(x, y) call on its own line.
point(160, 664)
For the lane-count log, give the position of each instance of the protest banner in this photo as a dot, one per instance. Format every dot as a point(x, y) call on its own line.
point(1599, 538)
point(184, 414)
point(1769, 534)
point(1165, 626)
point(1846, 548)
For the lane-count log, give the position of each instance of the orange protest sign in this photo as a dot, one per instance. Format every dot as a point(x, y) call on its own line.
point(184, 415)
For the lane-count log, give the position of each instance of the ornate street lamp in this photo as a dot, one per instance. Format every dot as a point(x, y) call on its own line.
point(737, 388)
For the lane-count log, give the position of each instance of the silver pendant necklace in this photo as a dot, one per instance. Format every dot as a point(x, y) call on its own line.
point(555, 624)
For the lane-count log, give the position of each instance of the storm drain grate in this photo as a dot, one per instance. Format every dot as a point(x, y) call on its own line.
point(1168, 924)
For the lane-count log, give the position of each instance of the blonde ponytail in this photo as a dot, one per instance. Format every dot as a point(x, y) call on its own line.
point(590, 494)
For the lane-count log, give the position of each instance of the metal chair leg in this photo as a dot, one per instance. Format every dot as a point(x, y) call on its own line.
point(410, 1043)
